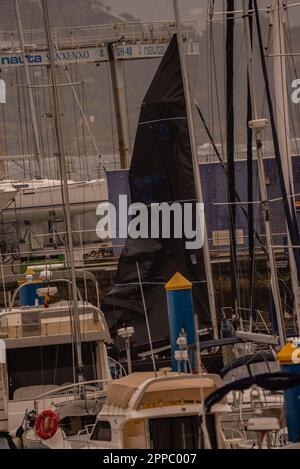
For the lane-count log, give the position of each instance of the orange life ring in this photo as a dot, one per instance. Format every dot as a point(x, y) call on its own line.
point(46, 424)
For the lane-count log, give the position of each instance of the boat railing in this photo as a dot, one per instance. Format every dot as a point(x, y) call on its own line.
point(12, 325)
point(57, 274)
point(122, 371)
point(68, 389)
point(86, 431)
point(81, 440)
point(91, 257)
point(23, 285)
point(234, 438)
point(244, 315)
point(74, 390)
point(84, 36)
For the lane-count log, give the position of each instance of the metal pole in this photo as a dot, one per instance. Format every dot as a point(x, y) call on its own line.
point(2, 163)
point(128, 355)
point(263, 187)
point(190, 118)
point(283, 131)
point(65, 192)
point(146, 316)
point(118, 88)
point(36, 135)
point(3, 281)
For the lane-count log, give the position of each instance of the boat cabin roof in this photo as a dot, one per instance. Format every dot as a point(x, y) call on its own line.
point(145, 390)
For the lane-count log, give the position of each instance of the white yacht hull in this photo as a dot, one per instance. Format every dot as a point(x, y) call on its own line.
point(42, 200)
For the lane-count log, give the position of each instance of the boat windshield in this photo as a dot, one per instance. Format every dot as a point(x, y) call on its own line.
point(181, 432)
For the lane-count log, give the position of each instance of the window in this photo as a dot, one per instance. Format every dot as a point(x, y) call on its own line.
point(50, 364)
point(181, 432)
point(102, 431)
point(20, 186)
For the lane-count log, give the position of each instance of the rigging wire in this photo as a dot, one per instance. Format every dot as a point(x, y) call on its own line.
point(83, 130)
point(126, 101)
point(19, 135)
point(224, 165)
point(77, 143)
point(212, 78)
point(27, 138)
point(251, 237)
point(292, 69)
point(74, 92)
point(113, 135)
point(290, 217)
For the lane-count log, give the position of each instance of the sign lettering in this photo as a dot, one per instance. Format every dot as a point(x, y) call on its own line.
point(94, 54)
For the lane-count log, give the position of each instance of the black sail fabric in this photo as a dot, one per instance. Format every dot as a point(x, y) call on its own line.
point(161, 171)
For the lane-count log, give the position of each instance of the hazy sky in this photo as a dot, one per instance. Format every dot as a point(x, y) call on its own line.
point(155, 10)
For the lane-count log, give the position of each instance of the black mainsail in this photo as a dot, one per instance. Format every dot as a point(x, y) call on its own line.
point(161, 171)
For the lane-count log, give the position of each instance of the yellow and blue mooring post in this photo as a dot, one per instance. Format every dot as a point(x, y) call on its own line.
point(289, 359)
point(181, 315)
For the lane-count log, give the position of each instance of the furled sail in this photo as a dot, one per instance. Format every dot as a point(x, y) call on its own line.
point(161, 171)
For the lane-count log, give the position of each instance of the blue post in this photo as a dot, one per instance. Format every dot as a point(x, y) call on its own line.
point(288, 358)
point(181, 315)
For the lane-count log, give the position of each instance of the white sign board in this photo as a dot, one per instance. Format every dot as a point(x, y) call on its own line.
point(66, 56)
point(95, 54)
point(148, 51)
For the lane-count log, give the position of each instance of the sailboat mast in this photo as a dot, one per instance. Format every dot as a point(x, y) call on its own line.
point(2, 164)
point(36, 135)
point(190, 118)
point(230, 139)
point(65, 192)
point(283, 131)
point(119, 94)
point(262, 183)
point(2, 101)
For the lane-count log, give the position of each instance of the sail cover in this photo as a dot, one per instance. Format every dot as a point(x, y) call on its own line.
point(161, 171)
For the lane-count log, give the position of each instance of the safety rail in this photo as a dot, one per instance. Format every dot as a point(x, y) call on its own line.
point(69, 388)
point(86, 431)
point(122, 371)
point(23, 285)
point(260, 323)
point(13, 327)
point(235, 439)
point(81, 442)
point(90, 258)
point(75, 390)
point(129, 32)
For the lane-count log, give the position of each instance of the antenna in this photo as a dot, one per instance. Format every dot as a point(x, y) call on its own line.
point(146, 317)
